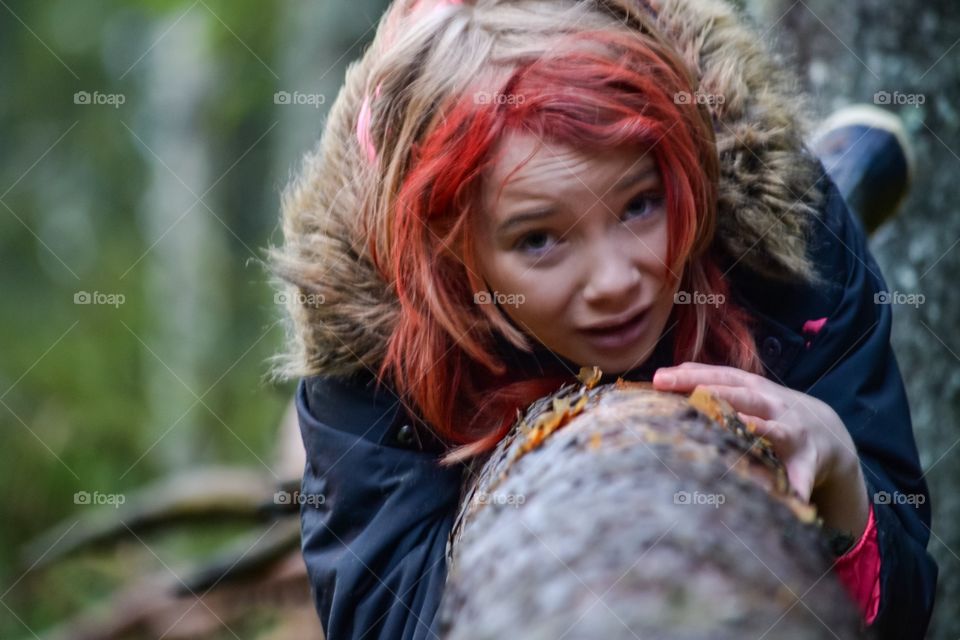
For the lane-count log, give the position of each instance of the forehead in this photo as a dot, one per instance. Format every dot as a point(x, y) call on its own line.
point(526, 167)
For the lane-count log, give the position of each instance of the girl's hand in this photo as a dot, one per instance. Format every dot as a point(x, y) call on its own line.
point(806, 433)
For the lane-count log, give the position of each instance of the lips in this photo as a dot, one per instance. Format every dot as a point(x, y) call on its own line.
point(615, 326)
point(619, 336)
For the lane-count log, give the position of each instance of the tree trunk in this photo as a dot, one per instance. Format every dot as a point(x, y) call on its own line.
point(617, 511)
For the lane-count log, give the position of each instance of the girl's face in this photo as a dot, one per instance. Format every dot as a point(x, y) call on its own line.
point(577, 244)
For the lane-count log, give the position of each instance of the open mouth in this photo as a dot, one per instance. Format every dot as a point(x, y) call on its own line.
point(619, 336)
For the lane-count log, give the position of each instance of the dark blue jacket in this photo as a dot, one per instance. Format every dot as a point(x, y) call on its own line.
point(375, 548)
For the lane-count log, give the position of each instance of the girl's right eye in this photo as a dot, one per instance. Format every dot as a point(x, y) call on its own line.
point(536, 243)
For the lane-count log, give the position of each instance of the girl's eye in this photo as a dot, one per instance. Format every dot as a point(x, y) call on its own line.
point(539, 243)
point(535, 243)
point(643, 206)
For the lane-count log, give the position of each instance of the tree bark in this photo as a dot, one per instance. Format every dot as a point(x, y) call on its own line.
point(617, 511)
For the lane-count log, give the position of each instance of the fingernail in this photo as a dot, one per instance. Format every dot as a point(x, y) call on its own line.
point(666, 379)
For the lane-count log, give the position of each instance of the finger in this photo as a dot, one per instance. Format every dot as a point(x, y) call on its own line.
point(693, 366)
point(743, 399)
point(688, 375)
point(779, 436)
point(801, 470)
point(801, 475)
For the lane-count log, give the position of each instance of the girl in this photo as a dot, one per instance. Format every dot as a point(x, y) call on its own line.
point(507, 190)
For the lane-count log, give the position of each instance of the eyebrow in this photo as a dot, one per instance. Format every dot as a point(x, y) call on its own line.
point(545, 212)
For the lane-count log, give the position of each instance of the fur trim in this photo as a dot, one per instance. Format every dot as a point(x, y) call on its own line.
point(766, 193)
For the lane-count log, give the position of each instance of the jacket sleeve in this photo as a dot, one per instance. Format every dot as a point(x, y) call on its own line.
point(374, 517)
point(851, 366)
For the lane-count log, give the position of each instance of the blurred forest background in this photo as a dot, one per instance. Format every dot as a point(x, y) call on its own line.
point(144, 146)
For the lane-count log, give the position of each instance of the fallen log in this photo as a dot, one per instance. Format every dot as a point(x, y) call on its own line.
point(616, 511)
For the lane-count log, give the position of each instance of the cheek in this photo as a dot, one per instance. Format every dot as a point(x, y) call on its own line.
point(533, 298)
point(667, 287)
point(655, 261)
point(668, 284)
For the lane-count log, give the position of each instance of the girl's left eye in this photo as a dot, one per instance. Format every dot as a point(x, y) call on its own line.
point(643, 206)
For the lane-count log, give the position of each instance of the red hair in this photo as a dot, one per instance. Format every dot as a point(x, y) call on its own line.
point(442, 354)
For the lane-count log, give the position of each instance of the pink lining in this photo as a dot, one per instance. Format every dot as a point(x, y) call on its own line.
point(812, 328)
point(859, 571)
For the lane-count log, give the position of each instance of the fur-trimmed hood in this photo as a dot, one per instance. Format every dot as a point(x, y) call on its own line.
point(342, 311)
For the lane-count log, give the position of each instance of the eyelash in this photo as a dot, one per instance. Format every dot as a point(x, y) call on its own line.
point(651, 200)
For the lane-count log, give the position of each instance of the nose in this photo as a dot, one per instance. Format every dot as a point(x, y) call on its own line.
point(612, 277)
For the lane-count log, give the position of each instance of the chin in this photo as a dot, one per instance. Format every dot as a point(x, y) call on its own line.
point(622, 363)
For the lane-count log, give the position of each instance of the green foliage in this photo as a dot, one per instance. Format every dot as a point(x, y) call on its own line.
point(94, 198)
